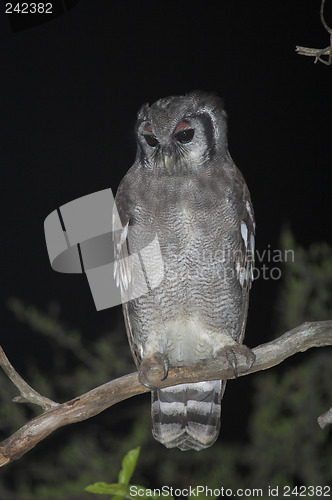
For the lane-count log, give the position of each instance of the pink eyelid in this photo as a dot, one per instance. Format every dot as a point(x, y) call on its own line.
point(179, 127)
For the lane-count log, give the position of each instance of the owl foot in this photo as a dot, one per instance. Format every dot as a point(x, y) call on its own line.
point(153, 370)
point(236, 353)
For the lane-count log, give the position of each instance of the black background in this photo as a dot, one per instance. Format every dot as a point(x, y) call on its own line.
point(70, 90)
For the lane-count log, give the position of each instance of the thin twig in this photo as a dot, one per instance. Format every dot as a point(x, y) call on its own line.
point(28, 394)
point(318, 53)
point(324, 23)
point(87, 405)
point(325, 419)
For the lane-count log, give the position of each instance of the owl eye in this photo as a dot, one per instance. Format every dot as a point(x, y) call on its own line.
point(185, 136)
point(151, 140)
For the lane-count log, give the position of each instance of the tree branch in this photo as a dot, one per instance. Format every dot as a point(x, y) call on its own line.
point(87, 405)
point(28, 394)
point(318, 53)
point(325, 419)
point(324, 23)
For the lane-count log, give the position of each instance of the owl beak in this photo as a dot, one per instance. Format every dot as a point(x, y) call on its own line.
point(168, 162)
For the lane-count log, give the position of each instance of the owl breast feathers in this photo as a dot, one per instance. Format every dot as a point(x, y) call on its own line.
point(184, 258)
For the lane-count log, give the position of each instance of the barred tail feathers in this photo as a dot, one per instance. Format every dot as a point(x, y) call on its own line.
point(187, 416)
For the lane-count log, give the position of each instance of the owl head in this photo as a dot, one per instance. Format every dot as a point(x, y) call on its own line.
point(181, 132)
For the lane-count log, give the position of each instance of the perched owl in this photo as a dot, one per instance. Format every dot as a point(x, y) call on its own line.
point(185, 192)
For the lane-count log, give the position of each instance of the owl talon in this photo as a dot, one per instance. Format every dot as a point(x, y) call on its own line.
point(153, 370)
point(250, 357)
point(234, 355)
point(166, 366)
point(231, 358)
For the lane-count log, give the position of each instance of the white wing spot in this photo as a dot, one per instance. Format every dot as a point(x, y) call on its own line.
point(244, 233)
point(252, 243)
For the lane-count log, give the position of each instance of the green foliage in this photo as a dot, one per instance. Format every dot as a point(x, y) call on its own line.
point(128, 466)
point(306, 293)
point(283, 428)
point(122, 489)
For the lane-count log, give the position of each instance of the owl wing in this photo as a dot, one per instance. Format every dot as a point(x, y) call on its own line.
point(245, 258)
point(123, 265)
point(121, 218)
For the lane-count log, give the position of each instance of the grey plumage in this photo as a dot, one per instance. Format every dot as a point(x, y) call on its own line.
point(185, 193)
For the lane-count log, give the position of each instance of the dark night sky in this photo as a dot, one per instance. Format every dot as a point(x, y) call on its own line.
point(70, 90)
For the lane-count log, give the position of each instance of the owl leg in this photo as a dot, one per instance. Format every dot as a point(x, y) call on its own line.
point(235, 353)
point(153, 369)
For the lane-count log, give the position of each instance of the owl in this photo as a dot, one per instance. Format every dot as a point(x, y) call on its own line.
point(187, 232)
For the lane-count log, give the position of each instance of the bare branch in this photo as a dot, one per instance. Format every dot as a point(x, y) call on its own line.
point(28, 394)
point(325, 419)
point(87, 405)
point(324, 23)
point(318, 53)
